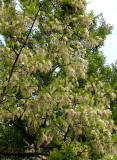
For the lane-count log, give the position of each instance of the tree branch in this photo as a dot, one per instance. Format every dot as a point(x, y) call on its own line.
point(23, 44)
point(53, 5)
point(14, 50)
point(81, 152)
point(66, 134)
point(22, 154)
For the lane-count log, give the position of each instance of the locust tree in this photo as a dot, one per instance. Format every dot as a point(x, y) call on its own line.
point(49, 107)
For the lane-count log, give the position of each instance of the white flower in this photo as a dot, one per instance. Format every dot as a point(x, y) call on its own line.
point(65, 38)
point(74, 19)
point(2, 5)
point(113, 95)
point(17, 43)
point(86, 33)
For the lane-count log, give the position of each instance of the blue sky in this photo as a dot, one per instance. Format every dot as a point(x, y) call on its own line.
point(109, 10)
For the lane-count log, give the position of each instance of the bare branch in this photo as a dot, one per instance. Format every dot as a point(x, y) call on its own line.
point(24, 44)
point(54, 5)
point(81, 152)
point(14, 50)
point(66, 134)
point(22, 154)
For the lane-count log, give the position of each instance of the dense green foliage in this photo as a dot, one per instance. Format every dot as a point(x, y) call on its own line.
point(57, 96)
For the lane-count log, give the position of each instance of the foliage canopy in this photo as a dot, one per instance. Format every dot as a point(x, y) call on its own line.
point(52, 105)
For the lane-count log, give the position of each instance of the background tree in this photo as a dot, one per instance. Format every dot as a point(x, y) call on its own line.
point(50, 107)
point(113, 82)
point(97, 61)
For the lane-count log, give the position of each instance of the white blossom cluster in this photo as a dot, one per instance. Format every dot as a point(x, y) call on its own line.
point(50, 98)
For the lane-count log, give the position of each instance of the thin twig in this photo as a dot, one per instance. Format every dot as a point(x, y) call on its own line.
point(54, 5)
point(81, 152)
point(14, 50)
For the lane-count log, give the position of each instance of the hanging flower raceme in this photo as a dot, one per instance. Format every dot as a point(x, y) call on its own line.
point(45, 95)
